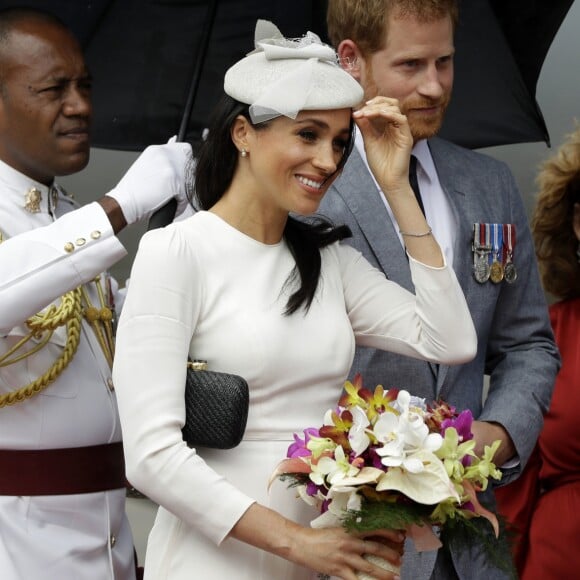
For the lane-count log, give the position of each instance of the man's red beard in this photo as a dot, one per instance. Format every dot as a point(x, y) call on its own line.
point(424, 126)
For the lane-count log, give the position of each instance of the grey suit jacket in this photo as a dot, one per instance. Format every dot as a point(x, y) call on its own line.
point(515, 342)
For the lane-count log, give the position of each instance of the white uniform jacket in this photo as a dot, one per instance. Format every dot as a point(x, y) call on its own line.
point(42, 256)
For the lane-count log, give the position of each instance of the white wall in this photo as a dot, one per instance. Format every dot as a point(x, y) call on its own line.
point(558, 95)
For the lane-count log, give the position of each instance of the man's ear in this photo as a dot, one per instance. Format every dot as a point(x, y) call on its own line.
point(240, 132)
point(350, 58)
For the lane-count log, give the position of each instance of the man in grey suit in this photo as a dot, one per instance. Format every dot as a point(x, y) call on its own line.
point(404, 49)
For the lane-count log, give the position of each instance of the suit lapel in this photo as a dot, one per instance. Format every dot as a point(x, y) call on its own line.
point(365, 201)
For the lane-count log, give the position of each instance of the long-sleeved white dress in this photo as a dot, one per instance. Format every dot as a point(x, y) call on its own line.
point(204, 289)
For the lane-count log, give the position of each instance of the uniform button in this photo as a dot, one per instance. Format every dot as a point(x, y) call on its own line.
point(69, 247)
point(110, 384)
point(112, 540)
point(81, 242)
point(96, 235)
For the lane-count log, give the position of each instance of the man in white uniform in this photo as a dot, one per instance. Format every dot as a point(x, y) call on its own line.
point(62, 483)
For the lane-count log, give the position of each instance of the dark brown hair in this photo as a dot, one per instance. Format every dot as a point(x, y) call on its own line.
point(214, 171)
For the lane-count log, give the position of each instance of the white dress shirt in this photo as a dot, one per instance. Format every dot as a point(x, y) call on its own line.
point(438, 211)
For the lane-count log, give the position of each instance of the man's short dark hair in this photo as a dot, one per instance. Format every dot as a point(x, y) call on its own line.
point(11, 18)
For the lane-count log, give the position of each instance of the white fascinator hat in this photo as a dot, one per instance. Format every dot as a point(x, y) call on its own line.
point(284, 76)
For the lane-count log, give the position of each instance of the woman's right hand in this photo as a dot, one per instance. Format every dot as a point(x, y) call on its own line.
point(388, 142)
point(331, 551)
point(335, 552)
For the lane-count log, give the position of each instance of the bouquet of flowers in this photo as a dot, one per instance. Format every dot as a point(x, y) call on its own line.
point(385, 459)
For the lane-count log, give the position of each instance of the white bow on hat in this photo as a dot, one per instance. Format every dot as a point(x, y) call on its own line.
point(284, 76)
point(267, 37)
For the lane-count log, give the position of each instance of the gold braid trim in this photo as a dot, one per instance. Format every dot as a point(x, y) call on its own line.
point(101, 321)
point(69, 312)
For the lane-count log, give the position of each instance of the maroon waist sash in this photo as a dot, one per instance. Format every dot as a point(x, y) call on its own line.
point(62, 471)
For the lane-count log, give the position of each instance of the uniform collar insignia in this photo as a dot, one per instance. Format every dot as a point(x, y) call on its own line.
point(53, 197)
point(32, 199)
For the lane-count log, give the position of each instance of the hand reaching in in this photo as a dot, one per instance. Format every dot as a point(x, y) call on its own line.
point(158, 175)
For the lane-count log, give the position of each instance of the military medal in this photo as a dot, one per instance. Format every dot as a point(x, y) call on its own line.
point(481, 249)
point(496, 269)
point(481, 269)
point(32, 200)
point(496, 272)
point(510, 273)
point(509, 241)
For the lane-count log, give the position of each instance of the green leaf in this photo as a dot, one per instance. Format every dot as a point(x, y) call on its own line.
point(380, 515)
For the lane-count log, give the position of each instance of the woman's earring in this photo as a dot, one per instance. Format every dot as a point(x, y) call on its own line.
point(578, 252)
point(244, 152)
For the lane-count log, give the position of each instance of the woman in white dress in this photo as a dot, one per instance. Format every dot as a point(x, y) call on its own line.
point(259, 293)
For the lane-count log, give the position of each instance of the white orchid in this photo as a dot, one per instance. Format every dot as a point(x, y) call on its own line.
point(332, 470)
point(341, 501)
point(411, 403)
point(366, 476)
point(314, 500)
point(403, 435)
point(357, 436)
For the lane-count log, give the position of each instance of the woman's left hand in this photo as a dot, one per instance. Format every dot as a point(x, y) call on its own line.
point(388, 141)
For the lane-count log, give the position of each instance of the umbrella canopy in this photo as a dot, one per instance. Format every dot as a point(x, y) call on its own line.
point(170, 53)
point(152, 58)
point(500, 48)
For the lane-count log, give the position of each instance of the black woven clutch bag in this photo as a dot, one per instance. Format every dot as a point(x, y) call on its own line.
point(216, 407)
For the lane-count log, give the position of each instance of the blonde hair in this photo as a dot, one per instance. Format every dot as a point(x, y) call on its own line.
point(364, 21)
point(552, 222)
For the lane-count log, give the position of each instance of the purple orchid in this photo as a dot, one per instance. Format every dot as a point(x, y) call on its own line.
point(298, 448)
point(462, 424)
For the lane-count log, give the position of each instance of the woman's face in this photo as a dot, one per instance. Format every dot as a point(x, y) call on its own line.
point(294, 161)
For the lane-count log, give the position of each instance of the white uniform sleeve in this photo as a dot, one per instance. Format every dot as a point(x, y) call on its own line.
point(42, 264)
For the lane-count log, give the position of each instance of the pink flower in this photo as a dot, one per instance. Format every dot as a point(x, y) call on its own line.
point(298, 448)
point(462, 424)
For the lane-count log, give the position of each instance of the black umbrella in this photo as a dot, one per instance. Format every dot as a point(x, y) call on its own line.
point(152, 60)
point(501, 46)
